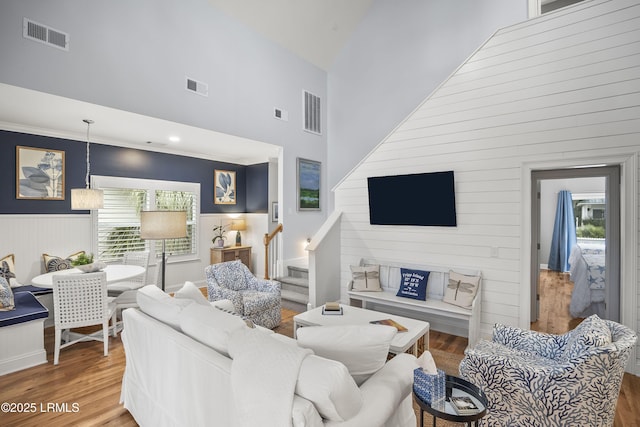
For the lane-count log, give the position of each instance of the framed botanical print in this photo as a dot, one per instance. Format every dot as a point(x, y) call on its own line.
point(308, 185)
point(224, 187)
point(39, 173)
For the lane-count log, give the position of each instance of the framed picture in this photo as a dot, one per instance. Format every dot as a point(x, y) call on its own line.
point(308, 185)
point(274, 211)
point(224, 187)
point(39, 173)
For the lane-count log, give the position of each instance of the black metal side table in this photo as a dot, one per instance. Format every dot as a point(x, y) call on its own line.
point(455, 387)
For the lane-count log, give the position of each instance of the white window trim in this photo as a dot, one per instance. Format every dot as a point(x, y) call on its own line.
point(99, 181)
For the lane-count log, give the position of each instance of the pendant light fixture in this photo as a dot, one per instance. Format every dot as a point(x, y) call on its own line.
point(87, 198)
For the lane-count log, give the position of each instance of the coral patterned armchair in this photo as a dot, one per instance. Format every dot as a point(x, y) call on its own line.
point(536, 379)
point(253, 298)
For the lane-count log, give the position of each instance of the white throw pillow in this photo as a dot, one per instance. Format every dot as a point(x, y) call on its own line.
point(329, 386)
point(363, 349)
point(154, 302)
point(366, 278)
point(191, 292)
point(461, 289)
point(210, 326)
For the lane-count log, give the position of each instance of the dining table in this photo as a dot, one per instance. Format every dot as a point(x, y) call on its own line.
point(115, 273)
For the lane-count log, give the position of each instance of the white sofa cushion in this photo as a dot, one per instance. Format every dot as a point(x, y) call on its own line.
point(328, 385)
point(190, 291)
point(157, 304)
point(363, 349)
point(210, 326)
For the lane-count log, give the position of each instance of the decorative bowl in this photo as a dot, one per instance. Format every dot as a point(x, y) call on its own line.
point(91, 268)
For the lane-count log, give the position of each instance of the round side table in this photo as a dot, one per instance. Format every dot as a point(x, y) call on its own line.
point(455, 387)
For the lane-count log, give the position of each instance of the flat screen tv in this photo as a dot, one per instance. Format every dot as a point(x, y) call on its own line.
point(426, 199)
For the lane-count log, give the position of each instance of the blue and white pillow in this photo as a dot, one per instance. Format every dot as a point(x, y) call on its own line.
point(6, 295)
point(591, 332)
point(413, 284)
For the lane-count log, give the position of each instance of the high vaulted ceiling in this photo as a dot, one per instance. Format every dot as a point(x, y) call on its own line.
point(315, 30)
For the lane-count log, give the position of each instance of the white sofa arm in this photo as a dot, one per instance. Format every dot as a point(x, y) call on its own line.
point(384, 393)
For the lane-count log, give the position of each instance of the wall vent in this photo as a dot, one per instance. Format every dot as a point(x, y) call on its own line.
point(41, 33)
point(311, 112)
point(280, 114)
point(197, 87)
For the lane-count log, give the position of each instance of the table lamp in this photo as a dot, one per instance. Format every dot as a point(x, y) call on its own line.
point(162, 225)
point(238, 225)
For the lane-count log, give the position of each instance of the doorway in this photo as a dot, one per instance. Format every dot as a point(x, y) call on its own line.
point(591, 183)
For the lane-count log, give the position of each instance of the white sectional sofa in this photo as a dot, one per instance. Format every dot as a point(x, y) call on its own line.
point(189, 363)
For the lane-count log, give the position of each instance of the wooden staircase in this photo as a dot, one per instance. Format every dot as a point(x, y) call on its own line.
point(295, 288)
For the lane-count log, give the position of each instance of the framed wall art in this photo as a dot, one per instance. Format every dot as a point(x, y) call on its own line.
point(39, 173)
point(308, 185)
point(224, 187)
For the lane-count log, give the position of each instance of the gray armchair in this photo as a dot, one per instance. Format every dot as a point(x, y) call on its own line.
point(253, 298)
point(536, 379)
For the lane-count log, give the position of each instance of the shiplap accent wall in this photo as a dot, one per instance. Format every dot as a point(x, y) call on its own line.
point(562, 86)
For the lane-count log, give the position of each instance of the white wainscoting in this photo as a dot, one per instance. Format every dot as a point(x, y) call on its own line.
point(29, 236)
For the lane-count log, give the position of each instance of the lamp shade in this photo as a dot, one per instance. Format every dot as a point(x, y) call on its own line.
point(156, 225)
point(238, 225)
point(86, 199)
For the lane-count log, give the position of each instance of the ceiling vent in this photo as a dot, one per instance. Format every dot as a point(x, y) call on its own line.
point(41, 33)
point(197, 87)
point(311, 112)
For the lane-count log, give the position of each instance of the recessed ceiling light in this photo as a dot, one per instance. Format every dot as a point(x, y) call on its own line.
point(174, 139)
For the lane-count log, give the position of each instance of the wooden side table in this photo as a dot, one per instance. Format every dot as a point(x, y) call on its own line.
point(232, 253)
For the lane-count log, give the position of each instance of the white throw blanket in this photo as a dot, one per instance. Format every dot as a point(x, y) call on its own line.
point(264, 373)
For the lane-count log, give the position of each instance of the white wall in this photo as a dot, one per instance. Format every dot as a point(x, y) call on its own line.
point(559, 90)
point(134, 56)
point(398, 55)
point(549, 189)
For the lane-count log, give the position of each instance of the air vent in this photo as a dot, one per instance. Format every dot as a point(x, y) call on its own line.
point(197, 87)
point(280, 114)
point(311, 112)
point(41, 33)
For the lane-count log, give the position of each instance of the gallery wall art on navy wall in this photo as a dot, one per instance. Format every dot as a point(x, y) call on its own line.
point(108, 160)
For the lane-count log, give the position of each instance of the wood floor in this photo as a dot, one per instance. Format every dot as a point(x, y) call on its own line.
point(84, 389)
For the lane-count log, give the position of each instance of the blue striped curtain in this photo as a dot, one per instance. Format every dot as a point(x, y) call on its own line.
point(564, 233)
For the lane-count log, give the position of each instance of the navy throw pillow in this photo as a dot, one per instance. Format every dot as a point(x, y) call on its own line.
point(413, 284)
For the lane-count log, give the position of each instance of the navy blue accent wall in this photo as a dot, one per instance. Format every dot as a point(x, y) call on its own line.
point(258, 188)
point(125, 162)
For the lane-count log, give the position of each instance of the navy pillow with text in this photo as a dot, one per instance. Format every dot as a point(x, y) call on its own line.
point(413, 284)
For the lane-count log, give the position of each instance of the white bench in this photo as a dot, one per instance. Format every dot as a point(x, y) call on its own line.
point(430, 310)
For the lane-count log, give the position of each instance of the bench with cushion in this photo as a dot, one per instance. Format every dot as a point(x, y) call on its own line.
point(22, 334)
point(443, 284)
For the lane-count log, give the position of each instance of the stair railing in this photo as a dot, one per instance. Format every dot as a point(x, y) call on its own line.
point(271, 251)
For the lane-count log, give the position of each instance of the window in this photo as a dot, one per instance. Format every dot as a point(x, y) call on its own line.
point(117, 225)
point(589, 211)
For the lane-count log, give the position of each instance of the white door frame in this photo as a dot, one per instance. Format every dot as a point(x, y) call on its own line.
point(628, 236)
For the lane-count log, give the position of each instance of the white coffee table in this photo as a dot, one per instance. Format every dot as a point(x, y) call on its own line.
point(418, 331)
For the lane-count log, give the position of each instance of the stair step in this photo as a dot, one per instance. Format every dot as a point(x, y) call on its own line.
point(295, 271)
point(294, 296)
point(294, 281)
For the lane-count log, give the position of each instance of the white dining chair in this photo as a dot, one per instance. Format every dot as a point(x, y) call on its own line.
point(81, 300)
point(128, 298)
point(131, 258)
